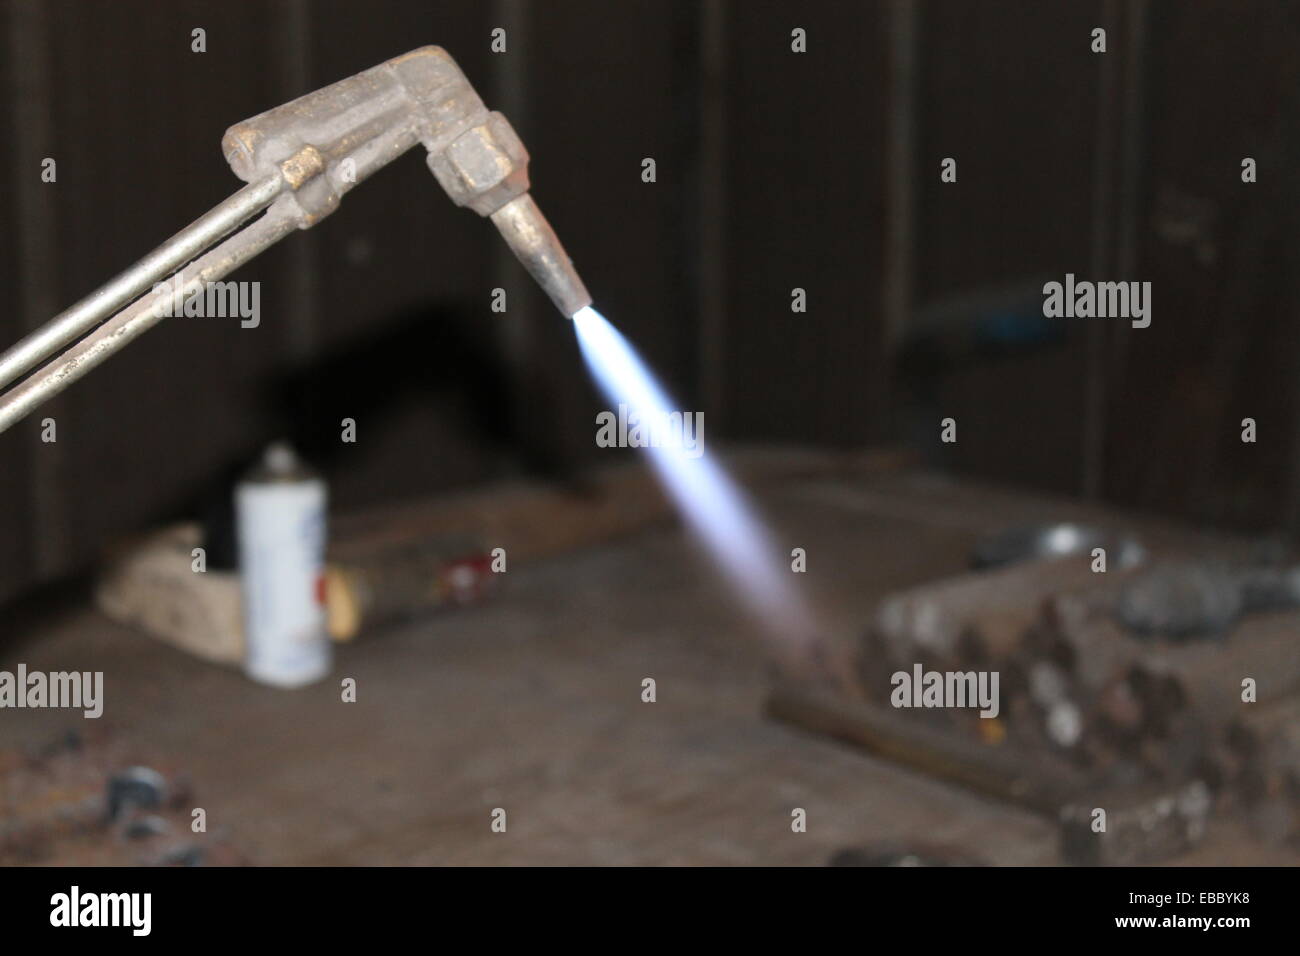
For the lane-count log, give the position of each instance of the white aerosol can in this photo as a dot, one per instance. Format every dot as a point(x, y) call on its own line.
point(280, 521)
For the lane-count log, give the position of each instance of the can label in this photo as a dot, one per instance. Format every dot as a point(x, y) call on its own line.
point(282, 562)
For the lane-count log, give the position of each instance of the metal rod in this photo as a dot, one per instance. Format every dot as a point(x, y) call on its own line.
point(74, 322)
point(144, 313)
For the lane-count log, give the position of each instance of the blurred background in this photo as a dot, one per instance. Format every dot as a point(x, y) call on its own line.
point(776, 171)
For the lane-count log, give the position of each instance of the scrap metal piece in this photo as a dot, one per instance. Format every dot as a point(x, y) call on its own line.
point(1042, 786)
point(1136, 831)
point(136, 788)
point(910, 854)
point(1062, 539)
point(144, 827)
point(1203, 599)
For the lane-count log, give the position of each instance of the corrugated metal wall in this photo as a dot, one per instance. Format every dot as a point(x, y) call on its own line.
point(775, 171)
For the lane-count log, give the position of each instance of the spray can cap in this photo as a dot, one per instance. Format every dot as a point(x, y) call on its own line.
point(280, 463)
point(280, 458)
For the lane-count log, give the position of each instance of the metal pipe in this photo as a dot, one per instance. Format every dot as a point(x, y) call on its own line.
point(144, 314)
point(74, 322)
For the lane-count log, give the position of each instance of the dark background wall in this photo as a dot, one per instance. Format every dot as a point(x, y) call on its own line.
point(776, 170)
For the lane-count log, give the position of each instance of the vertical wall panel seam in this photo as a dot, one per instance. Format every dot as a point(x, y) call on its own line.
point(712, 291)
point(37, 240)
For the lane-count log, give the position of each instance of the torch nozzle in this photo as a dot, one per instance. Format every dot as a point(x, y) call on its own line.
point(533, 242)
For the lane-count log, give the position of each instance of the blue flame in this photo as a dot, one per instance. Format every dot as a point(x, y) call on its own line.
point(715, 509)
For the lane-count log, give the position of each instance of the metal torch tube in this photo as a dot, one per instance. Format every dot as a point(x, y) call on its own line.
point(143, 314)
point(163, 261)
point(534, 244)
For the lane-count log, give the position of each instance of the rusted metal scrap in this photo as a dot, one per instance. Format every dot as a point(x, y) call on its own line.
point(82, 800)
point(1160, 727)
point(1128, 828)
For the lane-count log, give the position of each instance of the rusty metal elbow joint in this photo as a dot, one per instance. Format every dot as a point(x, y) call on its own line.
point(326, 142)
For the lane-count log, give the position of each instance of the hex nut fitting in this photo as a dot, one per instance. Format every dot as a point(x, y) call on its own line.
point(484, 168)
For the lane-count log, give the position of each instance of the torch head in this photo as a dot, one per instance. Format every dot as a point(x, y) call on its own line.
point(326, 142)
point(486, 169)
